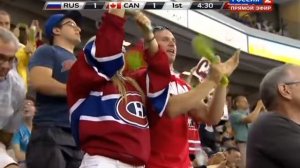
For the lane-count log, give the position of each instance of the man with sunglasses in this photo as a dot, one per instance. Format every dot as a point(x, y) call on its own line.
point(12, 95)
point(169, 135)
point(51, 144)
point(273, 140)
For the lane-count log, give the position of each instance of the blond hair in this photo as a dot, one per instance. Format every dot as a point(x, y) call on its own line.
point(120, 82)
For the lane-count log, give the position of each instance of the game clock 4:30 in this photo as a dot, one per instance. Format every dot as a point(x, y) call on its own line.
point(205, 5)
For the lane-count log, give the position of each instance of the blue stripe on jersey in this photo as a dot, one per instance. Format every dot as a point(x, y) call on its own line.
point(92, 106)
point(160, 101)
point(75, 125)
point(108, 65)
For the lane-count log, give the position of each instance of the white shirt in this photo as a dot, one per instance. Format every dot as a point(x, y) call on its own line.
point(12, 96)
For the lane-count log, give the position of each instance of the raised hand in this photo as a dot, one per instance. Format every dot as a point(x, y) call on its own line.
point(261, 105)
point(144, 23)
point(30, 47)
point(216, 72)
point(231, 64)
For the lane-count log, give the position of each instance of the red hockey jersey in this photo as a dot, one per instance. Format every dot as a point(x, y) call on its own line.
point(193, 137)
point(103, 123)
point(169, 137)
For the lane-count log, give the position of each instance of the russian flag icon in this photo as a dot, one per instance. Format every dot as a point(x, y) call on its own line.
point(53, 6)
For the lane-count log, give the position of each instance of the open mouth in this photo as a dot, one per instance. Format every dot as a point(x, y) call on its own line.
point(171, 51)
point(3, 74)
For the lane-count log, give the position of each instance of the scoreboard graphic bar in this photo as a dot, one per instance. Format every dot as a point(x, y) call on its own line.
point(94, 5)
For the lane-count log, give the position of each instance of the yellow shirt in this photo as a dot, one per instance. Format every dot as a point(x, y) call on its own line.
point(23, 62)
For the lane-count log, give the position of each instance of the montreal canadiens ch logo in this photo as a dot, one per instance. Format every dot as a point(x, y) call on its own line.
point(133, 112)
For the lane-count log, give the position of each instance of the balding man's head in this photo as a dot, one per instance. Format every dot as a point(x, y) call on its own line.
point(8, 49)
point(269, 86)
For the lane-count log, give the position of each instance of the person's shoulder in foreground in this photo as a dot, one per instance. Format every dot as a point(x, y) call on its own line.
point(273, 141)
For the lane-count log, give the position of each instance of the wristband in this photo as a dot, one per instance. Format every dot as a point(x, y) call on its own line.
point(224, 81)
point(148, 41)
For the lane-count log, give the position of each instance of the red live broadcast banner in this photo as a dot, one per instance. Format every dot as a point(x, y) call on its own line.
point(250, 8)
point(265, 6)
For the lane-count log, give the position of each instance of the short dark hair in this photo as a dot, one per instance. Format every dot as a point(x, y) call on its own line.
point(268, 89)
point(160, 28)
point(225, 139)
point(232, 149)
point(30, 97)
point(235, 100)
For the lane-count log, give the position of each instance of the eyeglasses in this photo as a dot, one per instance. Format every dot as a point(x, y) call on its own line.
point(4, 58)
point(160, 28)
point(71, 24)
point(292, 83)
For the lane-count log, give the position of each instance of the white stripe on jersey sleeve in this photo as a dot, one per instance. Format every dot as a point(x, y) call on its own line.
point(102, 118)
point(111, 96)
point(75, 106)
point(95, 93)
point(104, 59)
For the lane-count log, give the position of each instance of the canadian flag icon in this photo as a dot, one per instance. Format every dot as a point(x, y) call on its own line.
point(114, 5)
point(268, 2)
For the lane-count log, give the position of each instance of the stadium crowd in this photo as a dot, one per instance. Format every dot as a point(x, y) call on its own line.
point(58, 110)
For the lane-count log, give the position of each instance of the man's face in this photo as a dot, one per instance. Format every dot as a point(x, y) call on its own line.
point(5, 21)
point(242, 103)
point(7, 57)
point(233, 157)
point(294, 84)
point(29, 109)
point(167, 42)
point(69, 31)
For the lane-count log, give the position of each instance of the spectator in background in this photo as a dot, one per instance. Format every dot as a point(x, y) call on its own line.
point(274, 138)
point(49, 66)
point(207, 132)
point(233, 157)
point(227, 142)
point(12, 95)
point(228, 159)
point(21, 138)
point(240, 118)
point(208, 137)
point(27, 47)
point(27, 42)
point(4, 20)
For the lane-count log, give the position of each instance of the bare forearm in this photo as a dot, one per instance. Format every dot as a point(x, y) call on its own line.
point(183, 103)
point(253, 115)
point(50, 87)
point(20, 155)
point(216, 108)
point(152, 45)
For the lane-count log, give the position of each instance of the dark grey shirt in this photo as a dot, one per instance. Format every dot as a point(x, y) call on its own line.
point(53, 110)
point(273, 142)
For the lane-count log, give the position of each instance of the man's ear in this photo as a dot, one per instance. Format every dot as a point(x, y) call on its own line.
point(284, 91)
point(56, 31)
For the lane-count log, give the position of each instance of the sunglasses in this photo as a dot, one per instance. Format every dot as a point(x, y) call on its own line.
point(160, 28)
